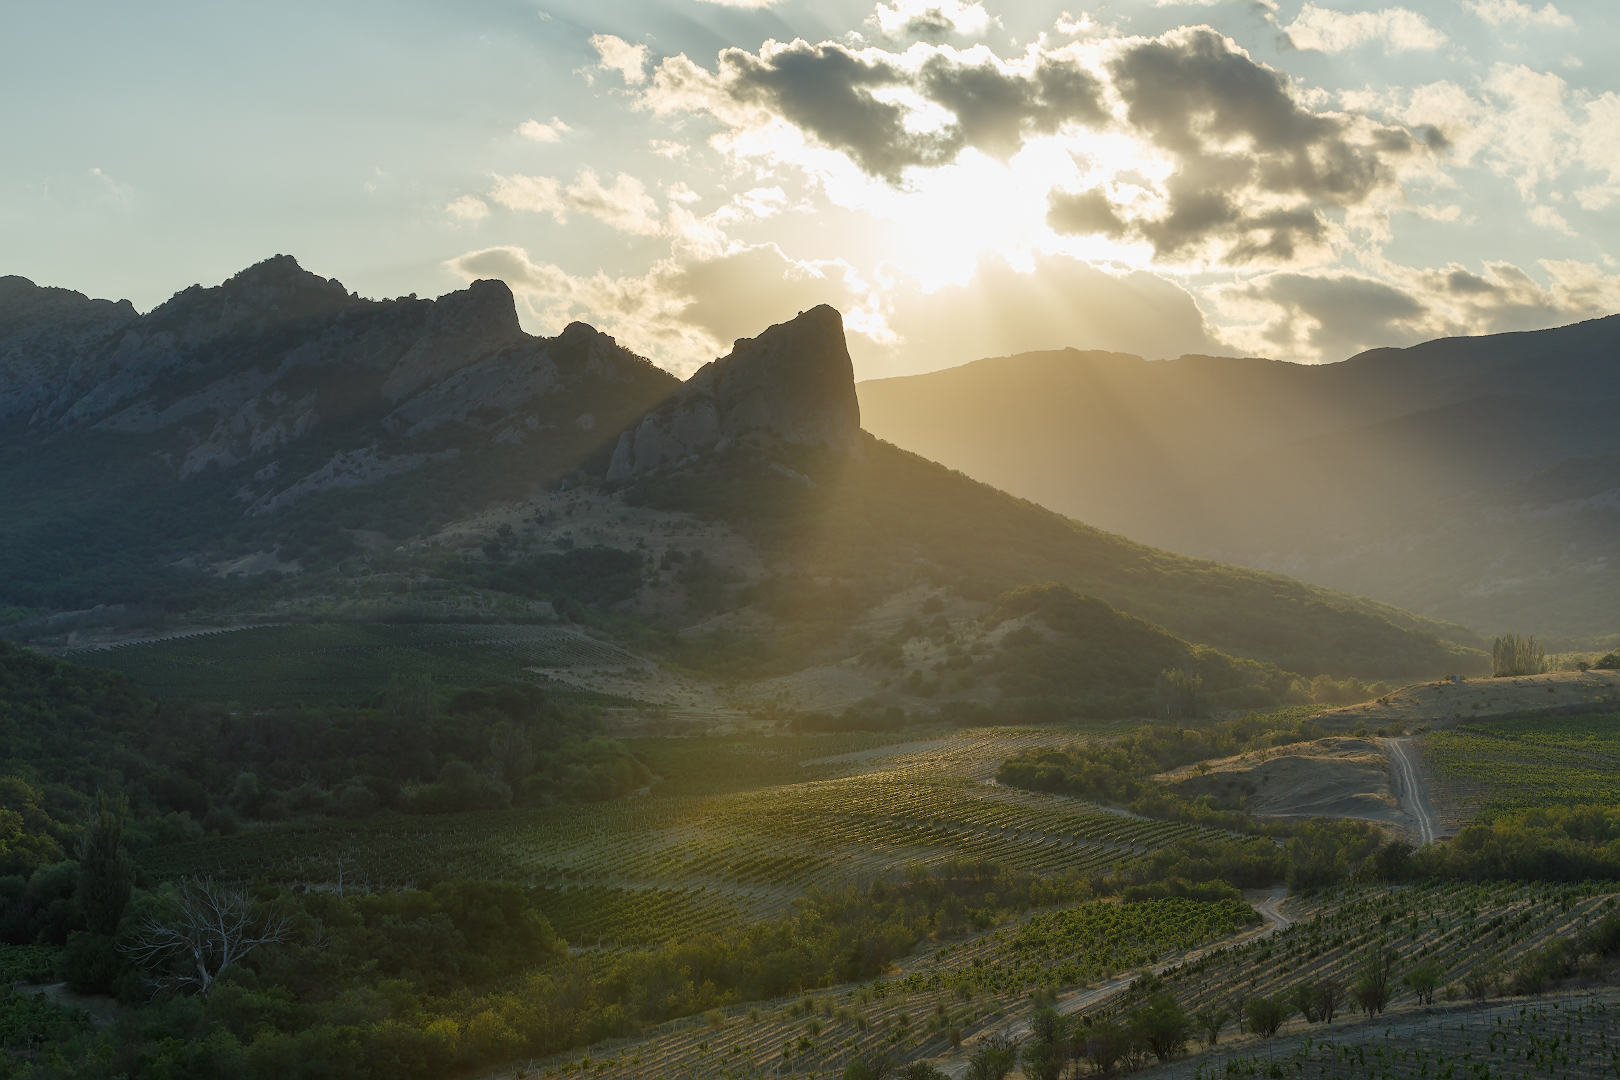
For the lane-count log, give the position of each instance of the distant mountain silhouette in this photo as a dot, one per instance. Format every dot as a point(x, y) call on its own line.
point(1346, 474)
point(279, 423)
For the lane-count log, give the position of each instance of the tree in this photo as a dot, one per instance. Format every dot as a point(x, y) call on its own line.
point(1161, 1026)
point(1374, 982)
point(207, 928)
point(1266, 1015)
point(1513, 655)
point(995, 1058)
point(1106, 1043)
point(1210, 1022)
point(1329, 993)
point(1179, 694)
point(105, 870)
point(1480, 983)
point(1047, 1051)
point(1303, 1000)
point(1424, 979)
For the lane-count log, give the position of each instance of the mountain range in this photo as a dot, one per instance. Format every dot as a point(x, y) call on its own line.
point(1474, 480)
point(278, 447)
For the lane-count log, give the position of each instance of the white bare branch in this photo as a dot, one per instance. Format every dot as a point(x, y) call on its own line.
point(208, 928)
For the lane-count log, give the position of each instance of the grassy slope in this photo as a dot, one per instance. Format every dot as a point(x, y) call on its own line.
point(892, 517)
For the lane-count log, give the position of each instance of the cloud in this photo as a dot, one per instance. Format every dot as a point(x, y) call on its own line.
point(1255, 169)
point(544, 133)
point(468, 208)
point(751, 5)
point(617, 54)
point(1527, 126)
point(886, 111)
point(111, 190)
point(624, 205)
point(1181, 145)
point(1335, 315)
point(684, 312)
point(1055, 303)
point(1325, 30)
point(931, 20)
point(1548, 218)
point(680, 313)
point(1515, 13)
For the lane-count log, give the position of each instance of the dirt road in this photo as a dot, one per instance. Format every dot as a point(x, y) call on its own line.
point(1019, 1029)
point(1408, 777)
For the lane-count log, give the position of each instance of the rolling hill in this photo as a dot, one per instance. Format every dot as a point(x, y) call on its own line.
point(1423, 477)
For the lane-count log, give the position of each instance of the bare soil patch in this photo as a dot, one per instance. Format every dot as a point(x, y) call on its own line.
point(1333, 777)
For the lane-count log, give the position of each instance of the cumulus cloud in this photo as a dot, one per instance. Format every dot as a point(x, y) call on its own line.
point(1515, 13)
point(623, 205)
point(468, 208)
point(930, 20)
point(544, 133)
point(1325, 30)
point(1333, 316)
point(617, 54)
point(886, 111)
point(1228, 163)
point(1528, 126)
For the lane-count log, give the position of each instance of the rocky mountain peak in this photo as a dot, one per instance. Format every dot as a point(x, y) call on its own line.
point(794, 383)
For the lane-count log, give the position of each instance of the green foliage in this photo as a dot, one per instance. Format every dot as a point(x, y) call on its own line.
point(1514, 764)
point(344, 662)
point(28, 1021)
point(106, 872)
point(1116, 770)
point(1513, 655)
point(29, 838)
point(410, 747)
point(1265, 1015)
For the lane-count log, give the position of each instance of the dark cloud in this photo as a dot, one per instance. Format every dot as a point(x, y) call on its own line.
point(827, 91)
point(831, 93)
point(1084, 213)
point(1338, 315)
point(1241, 139)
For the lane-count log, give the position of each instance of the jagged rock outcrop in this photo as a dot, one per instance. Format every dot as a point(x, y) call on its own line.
point(301, 386)
point(794, 383)
point(50, 337)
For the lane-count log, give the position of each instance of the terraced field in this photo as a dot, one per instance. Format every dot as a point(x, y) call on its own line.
point(340, 662)
point(1510, 764)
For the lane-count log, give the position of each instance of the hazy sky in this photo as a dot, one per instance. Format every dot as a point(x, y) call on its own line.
point(1289, 179)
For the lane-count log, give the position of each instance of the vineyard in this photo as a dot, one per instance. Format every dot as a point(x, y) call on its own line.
point(1576, 1037)
point(945, 999)
point(339, 662)
point(1512, 764)
point(850, 818)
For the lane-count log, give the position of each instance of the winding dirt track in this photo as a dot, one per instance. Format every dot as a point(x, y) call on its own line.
point(1019, 1029)
point(1409, 790)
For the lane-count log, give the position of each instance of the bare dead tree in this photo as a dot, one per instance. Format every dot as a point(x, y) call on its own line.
point(207, 928)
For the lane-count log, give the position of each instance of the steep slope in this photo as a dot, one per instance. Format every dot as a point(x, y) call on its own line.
point(1281, 466)
point(279, 423)
point(840, 530)
point(272, 413)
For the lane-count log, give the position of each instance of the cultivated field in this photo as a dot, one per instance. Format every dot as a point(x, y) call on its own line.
point(341, 662)
point(1511, 764)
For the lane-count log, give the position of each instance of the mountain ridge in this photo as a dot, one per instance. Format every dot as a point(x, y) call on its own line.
point(1291, 467)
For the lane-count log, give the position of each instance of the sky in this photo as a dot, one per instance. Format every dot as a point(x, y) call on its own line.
point(1279, 178)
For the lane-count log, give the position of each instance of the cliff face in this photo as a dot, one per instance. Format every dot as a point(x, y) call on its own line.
point(793, 383)
point(300, 385)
